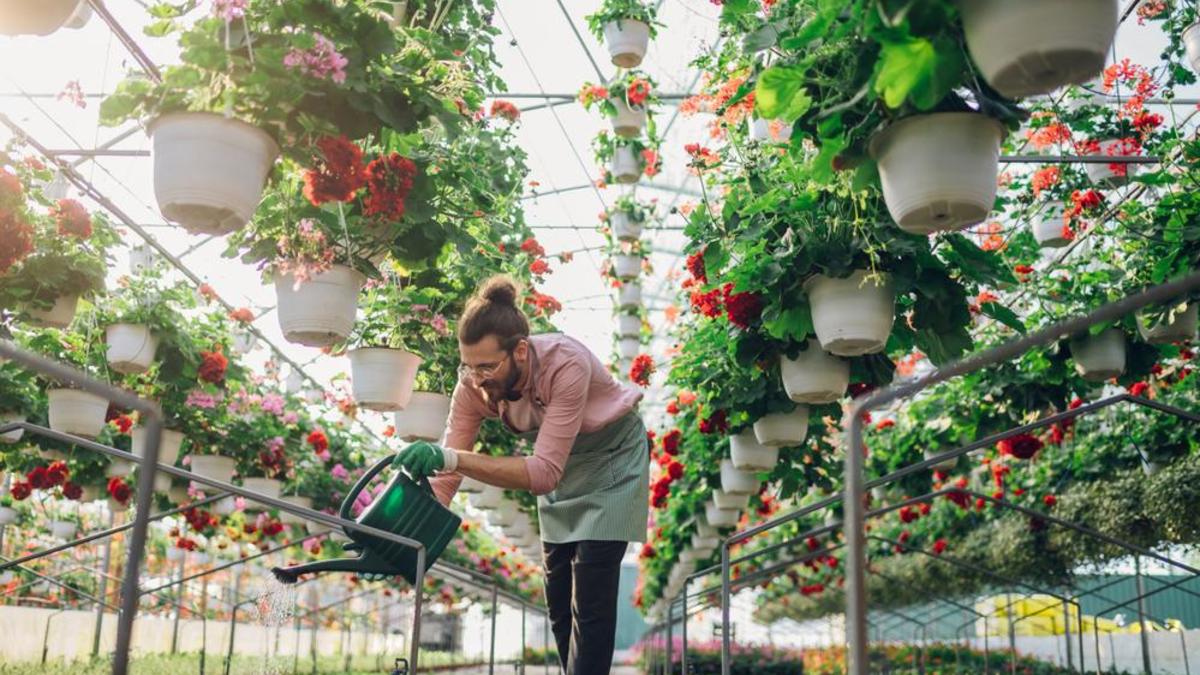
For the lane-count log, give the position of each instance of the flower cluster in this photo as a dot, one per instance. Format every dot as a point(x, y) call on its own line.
point(717, 423)
point(306, 254)
point(389, 180)
point(322, 61)
point(546, 305)
point(701, 159)
point(742, 309)
point(592, 93)
point(213, 365)
point(505, 110)
point(337, 172)
point(119, 490)
point(1023, 446)
point(72, 219)
point(641, 370)
point(16, 239)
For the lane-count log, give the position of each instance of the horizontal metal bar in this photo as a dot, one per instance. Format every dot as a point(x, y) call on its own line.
point(98, 152)
point(662, 96)
point(62, 585)
point(1078, 159)
point(232, 563)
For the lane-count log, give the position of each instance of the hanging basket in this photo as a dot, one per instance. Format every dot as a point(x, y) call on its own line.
point(629, 347)
point(629, 326)
point(8, 515)
point(268, 487)
point(624, 227)
point(383, 378)
point(719, 517)
point(815, 376)
point(627, 266)
point(1099, 357)
point(629, 296)
point(852, 316)
point(783, 429)
point(625, 166)
point(747, 454)
point(77, 412)
point(131, 348)
point(63, 529)
point(213, 467)
point(424, 418)
point(628, 122)
point(118, 468)
point(1179, 328)
point(939, 170)
point(945, 465)
point(209, 170)
point(1031, 47)
point(735, 481)
point(59, 316)
point(1110, 174)
point(730, 501)
point(1191, 43)
point(627, 41)
point(288, 518)
point(168, 452)
point(42, 17)
point(1049, 229)
point(16, 434)
point(321, 311)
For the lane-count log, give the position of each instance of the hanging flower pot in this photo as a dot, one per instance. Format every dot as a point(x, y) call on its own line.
point(939, 170)
point(320, 311)
point(225, 507)
point(730, 501)
point(1099, 357)
point(1111, 174)
point(63, 529)
point(168, 452)
point(629, 347)
point(8, 515)
point(383, 378)
point(719, 517)
point(629, 295)
point(42, 17)
point(424, 418)
point(288, 518)
point(775, 131)
point(815, 376)
point(1181, 327)
point(852, 316)
point(627, 41)
point(73, 411)
point(625, 166)
point(131, 348)
point(1191, 43)
point(59, 316)
point(177, 494)
point(747, 454)
point(141, 258)
point(471, 486)
point(627, 266)
point(487, 499)
point(1023, 50)
point(628, 122)
point(244, 341)
point(213, 467)
point(779, 430)
point(268, 487)
point(736, 481)
point(504, 515)
point(1049, 229)
point(629, 326)
point(118, 468)
point(945, 465)
point(705, 545)
point(624, 227)
point(209, 170)
point(9, 418)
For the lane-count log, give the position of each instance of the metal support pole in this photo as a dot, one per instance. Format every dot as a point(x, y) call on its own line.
point(522, 639)
point(107, 560)
point(235, 603)
point(726, 645)
point(683, 647)
point(492, 648)
point(1141, 608)
point(546, 642)
point(313, 599)
point(1067, 633)
point(670, 634)
point(1012, 636)
point(178, 608)
point(418, 593)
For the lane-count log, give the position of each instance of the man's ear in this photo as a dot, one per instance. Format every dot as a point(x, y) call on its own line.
point(521, 352)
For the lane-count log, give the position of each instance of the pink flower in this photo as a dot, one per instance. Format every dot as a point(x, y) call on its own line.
point(439, 324)
point(290, 417)
point(230, 9)
point(73, 93)
point(202, 399)
point(322, 61)
point(273, 403)
point(339, 472)
point(323, 455)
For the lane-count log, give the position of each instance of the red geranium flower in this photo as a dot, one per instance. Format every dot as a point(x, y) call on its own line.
point(337, 171)
point(12, 193)
point(72, 219)
point(1024, 446)
point(72, 491)
point(506, 110)
point(638, 90)
point(885, 424)
point(318, 440)
point(57, 473)
point(533, 248)
point(213, 365)
point(675, 470)
point(539, 267)
point(21, 490)
point(119, 490)
point(389, 180)
point(39, 478)
point(707, 304)
point(939, 546)
point(670, 442)
point(1049, 500)
point(123, 423)
point(16, 239)
point(743, 309)
point(1139, 388)
point(242, 315)
point(717, 423)
point(695, 266)
point(641, 370)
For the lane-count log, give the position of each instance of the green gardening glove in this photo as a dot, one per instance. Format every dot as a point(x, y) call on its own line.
point(425, 459)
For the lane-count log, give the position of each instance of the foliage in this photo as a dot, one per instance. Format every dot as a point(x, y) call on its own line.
point(619, 10)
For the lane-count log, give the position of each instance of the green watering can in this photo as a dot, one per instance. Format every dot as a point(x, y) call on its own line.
point(404, 508)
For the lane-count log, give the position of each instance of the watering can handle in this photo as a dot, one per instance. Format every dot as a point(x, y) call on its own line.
point(348, 502)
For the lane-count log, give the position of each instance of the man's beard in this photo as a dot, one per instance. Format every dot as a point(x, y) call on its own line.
point(506, 391)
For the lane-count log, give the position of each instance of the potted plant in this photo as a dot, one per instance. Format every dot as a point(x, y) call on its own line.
point(72, 411)
point(783, 429)
point(33, 17)
point(853, 315)
point(625, 27)
point(629, 295)
point(719, 517)
point(627, 102)
point(138, 316)
point(735, 481)
point(18, 397)
point(424, 418)
point(626, 159)
point(629, 326)
point(1099, 356)
point(746, 453)
point(627, 217)
point(1051, 228)
point(814, 375)
point(1176, 323)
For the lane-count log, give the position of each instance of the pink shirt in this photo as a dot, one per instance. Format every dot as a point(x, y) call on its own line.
point(568, 392)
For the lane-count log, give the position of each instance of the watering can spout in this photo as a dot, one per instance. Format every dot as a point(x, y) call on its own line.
point(354, 565)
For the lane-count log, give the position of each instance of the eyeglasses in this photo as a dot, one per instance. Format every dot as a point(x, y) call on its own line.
point(476, 374)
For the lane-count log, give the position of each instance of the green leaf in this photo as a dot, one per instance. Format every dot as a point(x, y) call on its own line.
point(780, 94)
point(793, 323)
point(919, 70)
point(1003, 314)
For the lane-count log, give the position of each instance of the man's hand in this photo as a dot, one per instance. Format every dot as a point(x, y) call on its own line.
point(425, 459)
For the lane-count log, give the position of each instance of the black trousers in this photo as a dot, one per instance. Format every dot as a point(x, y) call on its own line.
point(581, 593)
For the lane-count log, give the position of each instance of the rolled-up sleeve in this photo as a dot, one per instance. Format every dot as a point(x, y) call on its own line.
point(462, 428)
point(560, 425)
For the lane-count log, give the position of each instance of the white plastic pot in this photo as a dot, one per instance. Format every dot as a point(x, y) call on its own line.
point(1023, 49)
point(63, 529)
point(625, 166)
point(118, 468)
point(42, 17)
point(424, 418)
point(1191, 42)
point(852, 316)
point(268, 487)
point(628, 122)
point(735, 481)
point(939, 170)
point(6, 577)
point(383, 378)
point(244, 341)
point(177, 494)
point(504, 515)
point(729, 501)
point(321, 311)
point(719, 517)
point(1049, 229)
point(747, 454)
point(626, 40)
point(1099, 357)
point(8, 516)
point(488, 499)
point(629, 325)
point(9, 418)
point(815, 376)
point(131, 347)
point(141, 257)
point(624, 227)
point(77, 412)
point(1104, 173)
point(629, 295)
point(944, 465)
point(59, 316)
point(1179, 328)
point(761, 130)
point(209, 170)
point(225, 507)
point(471, 486)
point(213, 467)
point(705, 545)
point(291, 518)
point(779, 430)
point(629, 347)
point(627, 266)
